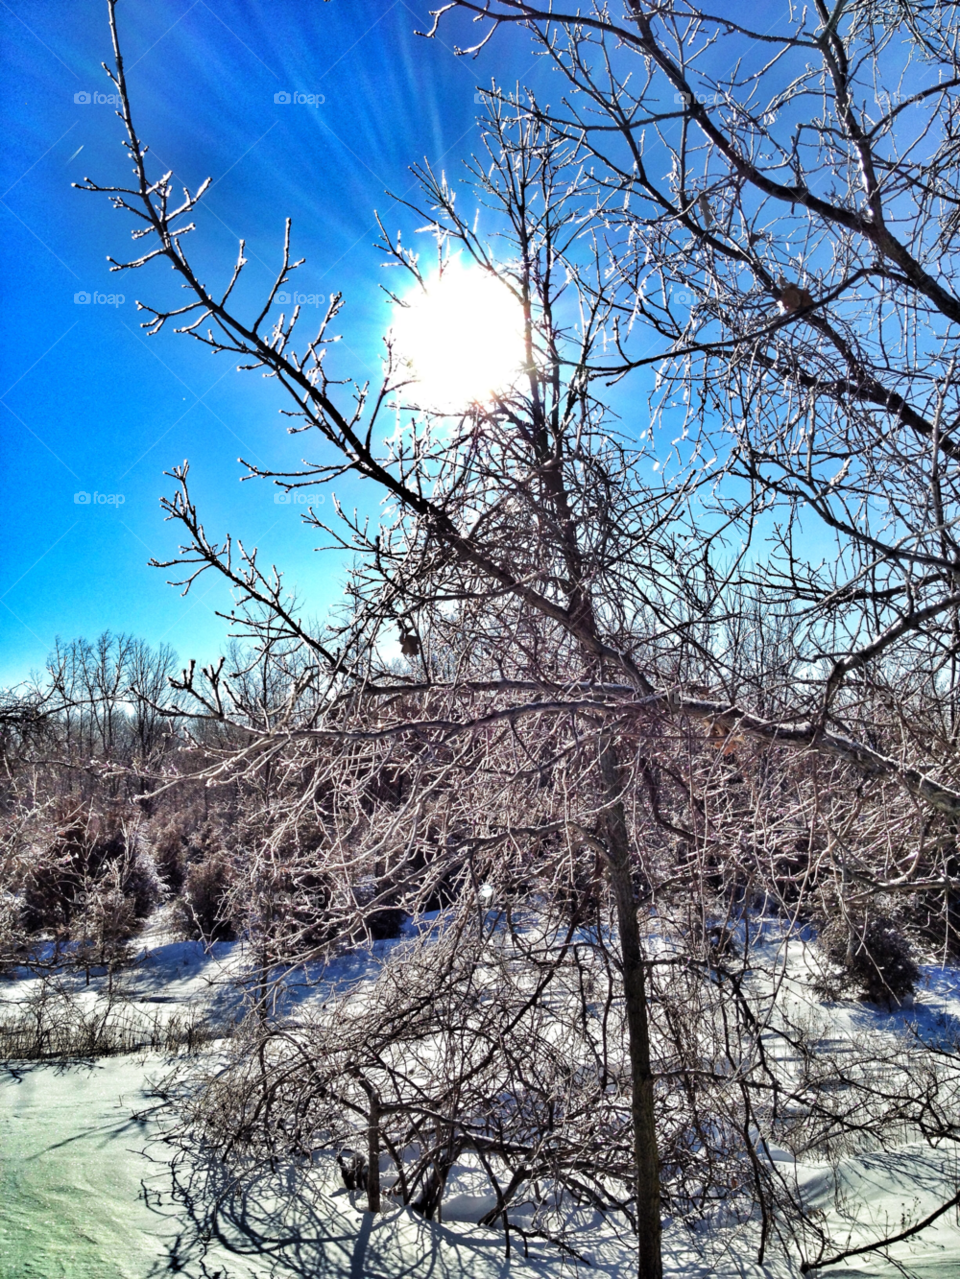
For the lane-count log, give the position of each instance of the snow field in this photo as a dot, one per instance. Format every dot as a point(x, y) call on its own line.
point(86, 1176)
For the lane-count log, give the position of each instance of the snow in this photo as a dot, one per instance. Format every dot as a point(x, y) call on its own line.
point(84, 1197)
point(883, 1192)
point(86, 1178)
point(71, 1164)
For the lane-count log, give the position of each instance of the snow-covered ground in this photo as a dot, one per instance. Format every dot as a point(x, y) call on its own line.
point(86, 1184)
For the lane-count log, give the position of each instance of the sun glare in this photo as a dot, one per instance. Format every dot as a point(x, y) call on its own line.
point(463, 337)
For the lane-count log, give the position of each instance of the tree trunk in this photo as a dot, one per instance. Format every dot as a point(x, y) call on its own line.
point(373, 1153)
point(649, 1262)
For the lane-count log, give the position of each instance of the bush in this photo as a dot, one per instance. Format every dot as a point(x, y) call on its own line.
point(203, 908)
point(105, 924)
point(386, 921)
point(180, 841)
point(62, 868)
point(875, 958)
point(170, 844)
point(83, 856)
point(12, 933)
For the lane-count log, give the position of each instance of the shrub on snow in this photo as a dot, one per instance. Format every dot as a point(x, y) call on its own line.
point(874, 957)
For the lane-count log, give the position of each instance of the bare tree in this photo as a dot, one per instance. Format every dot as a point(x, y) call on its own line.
point(780, 209)
point(559, 608)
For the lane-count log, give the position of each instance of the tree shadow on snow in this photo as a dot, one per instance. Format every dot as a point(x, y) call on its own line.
point(283, 1224)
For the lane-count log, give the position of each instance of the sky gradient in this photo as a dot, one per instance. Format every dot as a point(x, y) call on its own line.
point(90, 405)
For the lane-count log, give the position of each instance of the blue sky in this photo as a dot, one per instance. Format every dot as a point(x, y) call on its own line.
point(90, 405)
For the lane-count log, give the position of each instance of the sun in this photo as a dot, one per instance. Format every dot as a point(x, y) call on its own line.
point(463, 337)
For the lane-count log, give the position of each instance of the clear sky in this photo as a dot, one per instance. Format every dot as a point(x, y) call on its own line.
point(92, 406)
